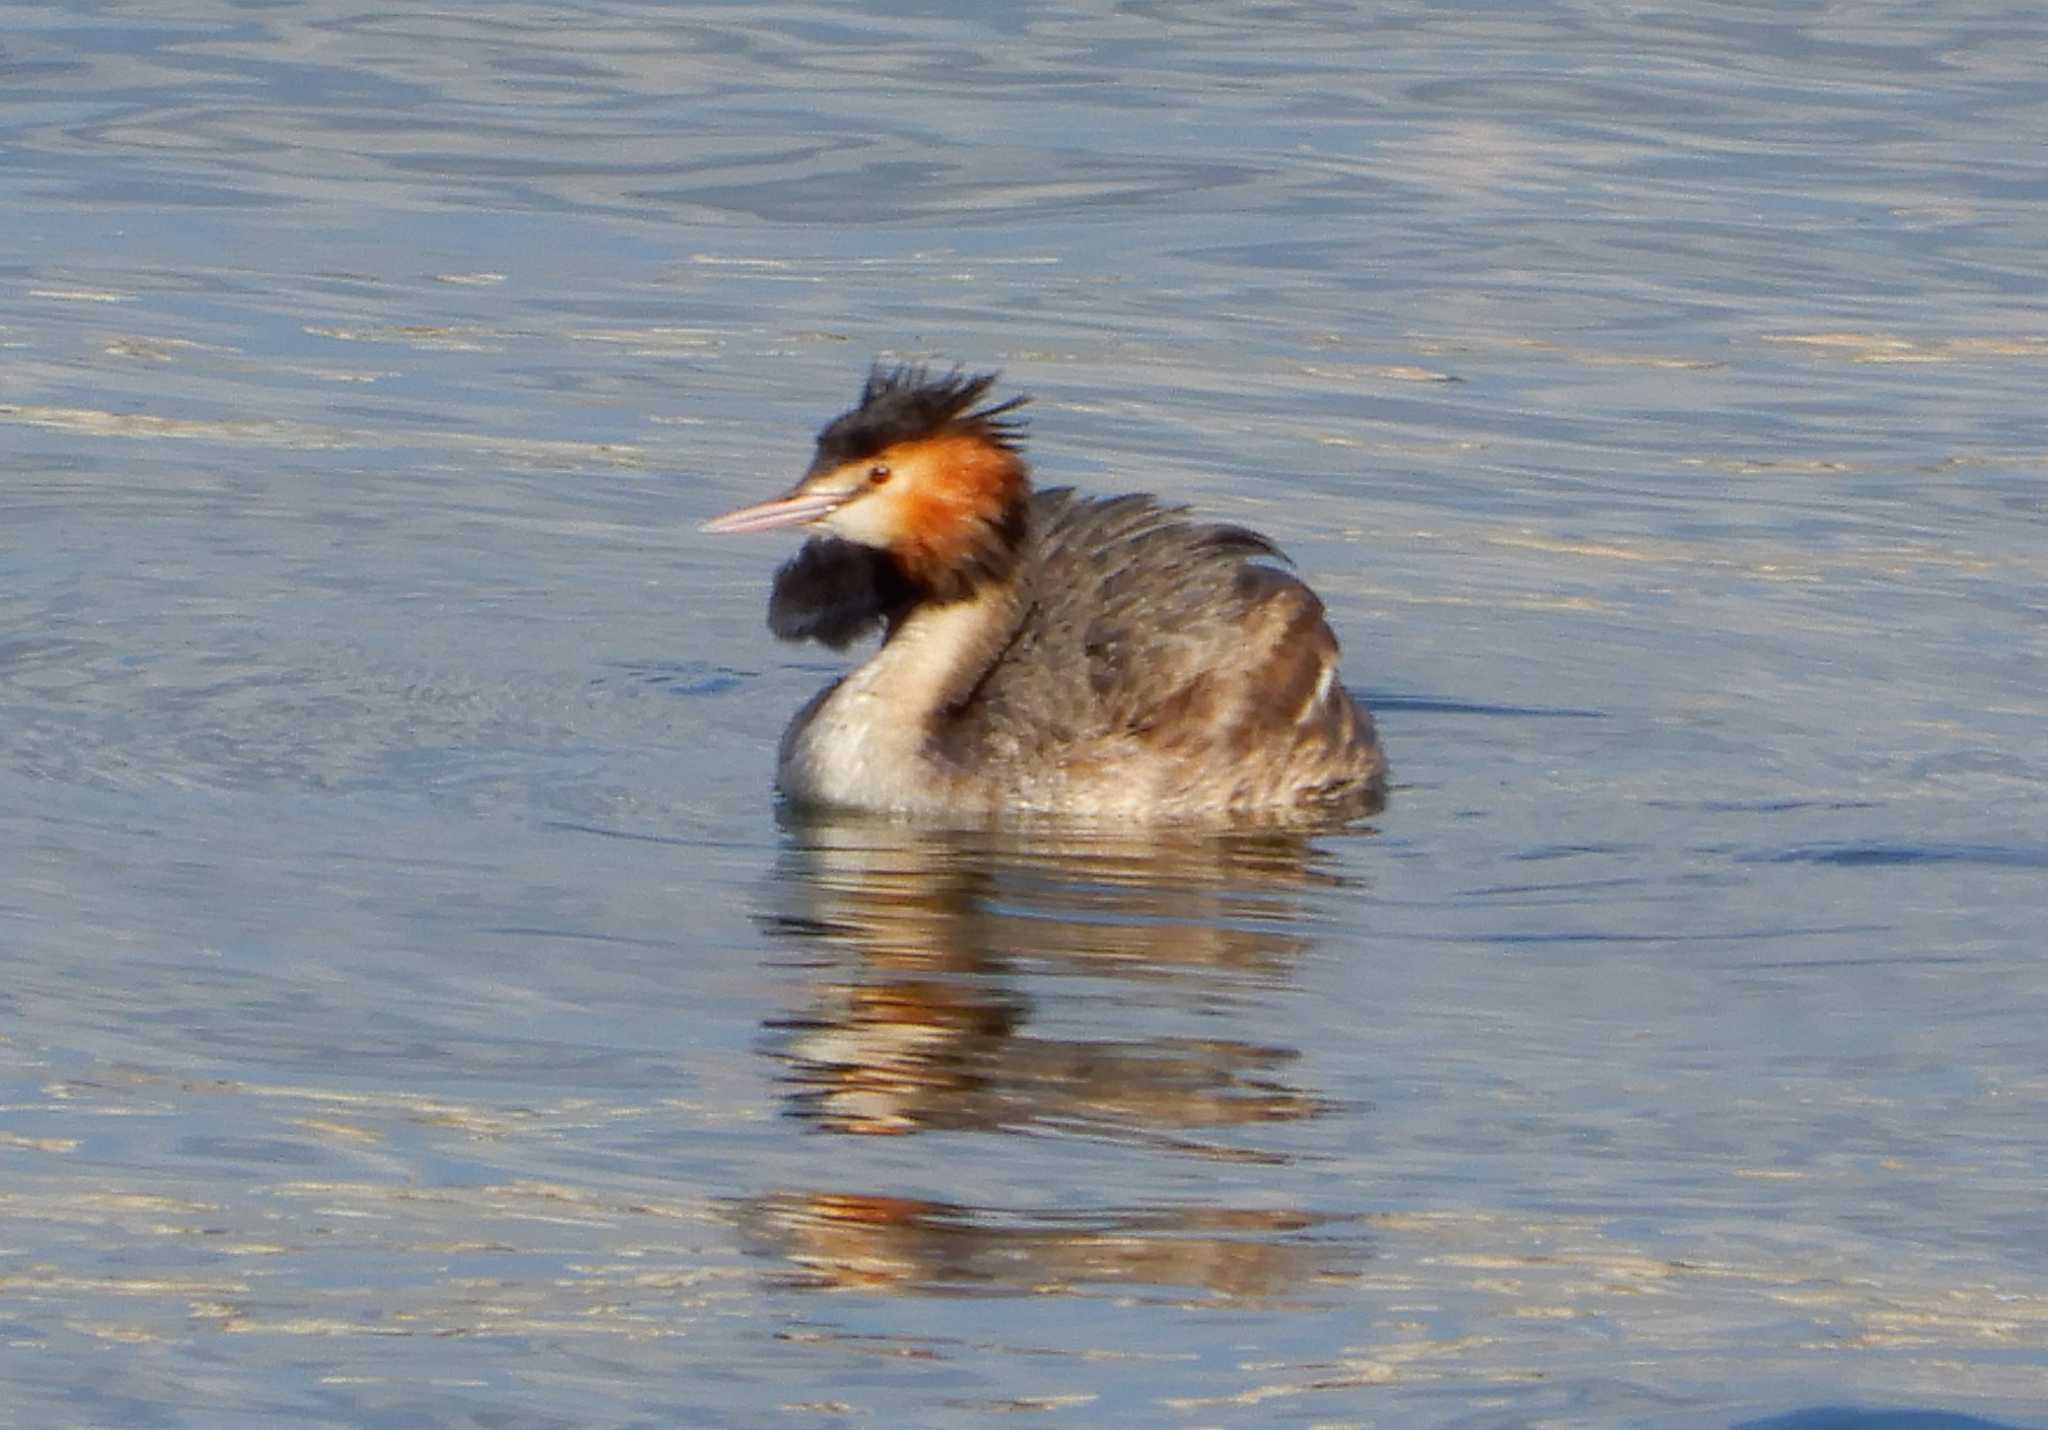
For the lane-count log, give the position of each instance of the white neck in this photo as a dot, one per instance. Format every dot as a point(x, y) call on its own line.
point(867, 741)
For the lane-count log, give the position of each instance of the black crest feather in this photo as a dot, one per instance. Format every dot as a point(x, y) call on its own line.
point(905, 402)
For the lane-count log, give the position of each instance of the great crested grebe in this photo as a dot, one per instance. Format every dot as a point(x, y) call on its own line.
point(1044, 653)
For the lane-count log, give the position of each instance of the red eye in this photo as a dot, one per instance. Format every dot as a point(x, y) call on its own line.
point(877, 474)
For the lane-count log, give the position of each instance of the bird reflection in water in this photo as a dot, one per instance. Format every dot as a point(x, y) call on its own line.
point(923, 942)
point(846, 1242)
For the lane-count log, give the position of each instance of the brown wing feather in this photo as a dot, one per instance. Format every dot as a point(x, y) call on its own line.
point(1158, 636)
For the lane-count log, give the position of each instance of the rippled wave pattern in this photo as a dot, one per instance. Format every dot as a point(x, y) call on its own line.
point(415, 1010)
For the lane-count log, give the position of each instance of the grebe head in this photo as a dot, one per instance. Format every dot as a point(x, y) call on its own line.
point(915, 470)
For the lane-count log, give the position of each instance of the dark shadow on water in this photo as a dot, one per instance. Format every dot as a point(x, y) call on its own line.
point(679, 677)
point(1760, 806)
point(635, 836)
point(954, 981)
point(1836, 1417)
point(1381, 704)
point(2006, 856)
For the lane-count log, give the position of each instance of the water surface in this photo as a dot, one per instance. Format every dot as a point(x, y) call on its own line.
point(415, 1009)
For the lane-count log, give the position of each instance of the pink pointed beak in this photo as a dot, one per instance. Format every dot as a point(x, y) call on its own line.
point(792, 510)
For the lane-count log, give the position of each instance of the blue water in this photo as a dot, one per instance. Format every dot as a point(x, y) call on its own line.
point(415, 1010)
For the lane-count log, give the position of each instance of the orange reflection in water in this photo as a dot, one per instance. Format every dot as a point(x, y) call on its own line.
point(846, 1242)
point(935, 955)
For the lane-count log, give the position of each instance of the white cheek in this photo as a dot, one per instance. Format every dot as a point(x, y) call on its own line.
point(865, 520)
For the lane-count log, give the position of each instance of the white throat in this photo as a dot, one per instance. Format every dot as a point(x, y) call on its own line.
point(868, 740)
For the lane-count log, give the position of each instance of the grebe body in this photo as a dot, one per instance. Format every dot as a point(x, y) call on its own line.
point(1045, 653)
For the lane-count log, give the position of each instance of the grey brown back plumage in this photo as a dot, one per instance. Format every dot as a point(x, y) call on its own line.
point(1151, 635)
